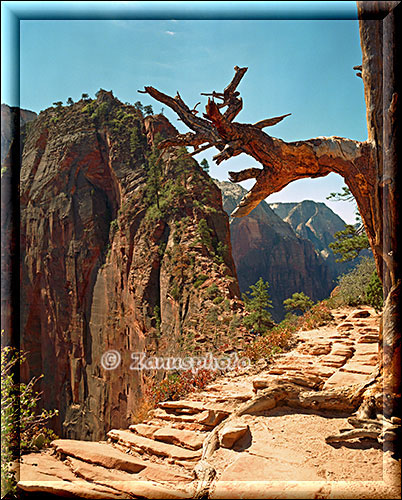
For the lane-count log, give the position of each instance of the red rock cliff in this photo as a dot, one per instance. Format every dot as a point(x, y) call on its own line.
point(111, 247)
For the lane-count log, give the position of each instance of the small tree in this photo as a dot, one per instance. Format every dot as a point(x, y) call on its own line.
point(205, 233)
point(84, 96)
point(58, 104)
point(349, 243)
point(298, 302)
point(205, 165)
point(353, 239)
point(138, 106)
point(22, 426)
point(257, 302)
point(148, 110)
point(154, 178)
point(374, 292)
point(70, 101)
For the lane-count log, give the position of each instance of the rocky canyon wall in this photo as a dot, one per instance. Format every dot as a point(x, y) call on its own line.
point(112, 243)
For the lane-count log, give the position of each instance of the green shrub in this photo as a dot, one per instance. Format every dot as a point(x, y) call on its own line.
point(353, 286)
point(175, 292)
point(218, 299)
point(200, 280)
point(205, 233)
point(257, 302)
point(374, 292)
point(21, 423)
point(212, 291)
point(298, 302)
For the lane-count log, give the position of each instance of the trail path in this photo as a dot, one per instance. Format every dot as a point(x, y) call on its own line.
point(210, 444)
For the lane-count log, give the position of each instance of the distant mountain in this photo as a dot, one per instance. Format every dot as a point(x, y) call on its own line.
point(9, 122)
point(316, 222)
point(264, 245)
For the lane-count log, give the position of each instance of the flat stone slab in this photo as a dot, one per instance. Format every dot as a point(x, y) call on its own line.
point(366, 359)
point(250, 467)
point(124, 482)
point(366, 349)
point(336, 360)
point(193, 406)
point(43, 467)
point(142, 444)
point(355, 367)
point(188, 439)
point(99, 453)
point(340, 379)
point(145, 430)
point(163, 415)
point(73, 489)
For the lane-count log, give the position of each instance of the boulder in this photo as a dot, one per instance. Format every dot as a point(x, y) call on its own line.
point(231, 433)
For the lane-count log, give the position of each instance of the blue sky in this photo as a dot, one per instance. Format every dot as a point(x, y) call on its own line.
point(303, 67)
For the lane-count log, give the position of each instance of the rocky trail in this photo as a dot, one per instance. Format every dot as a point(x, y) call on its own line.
point(274, 432)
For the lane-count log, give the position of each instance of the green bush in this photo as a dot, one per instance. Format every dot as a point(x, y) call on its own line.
point(374, 292)
point(22, 425)
point(218, 299)
point(200, 280)
point(298, 302)
point(212, 291)
point(205, 233)
point(257, 302)
point(353, 286)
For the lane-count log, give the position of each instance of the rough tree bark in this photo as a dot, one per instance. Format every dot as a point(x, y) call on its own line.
point(368, 168)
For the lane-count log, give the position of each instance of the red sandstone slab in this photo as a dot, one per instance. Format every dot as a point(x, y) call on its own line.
point(355, 367)
point(344, 379)
point(124, 482)
point(149, 446)
point(71, 489)
point(99, 453)
point(188, 439)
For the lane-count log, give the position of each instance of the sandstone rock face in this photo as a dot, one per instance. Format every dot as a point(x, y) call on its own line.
point(11, 118)
point(109, 256)
point(264, 245)
point(317, 223)
point(13, 126)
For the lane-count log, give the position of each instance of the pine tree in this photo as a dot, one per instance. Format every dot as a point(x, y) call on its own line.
point(298, 302)
point(353, 239)
point(349, 243)
point(257, 302)
point(204, 164)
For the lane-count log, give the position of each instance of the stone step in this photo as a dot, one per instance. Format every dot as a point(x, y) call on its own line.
point(356, 367)
point(99, 453)
point(43, 467)
point(340, 379)
point(186, 438)
point(145, 430)
point(161, 414)
point(179, 406)
point(298, 378)
point(124, 482)
point(141, 444)
point(71, 489)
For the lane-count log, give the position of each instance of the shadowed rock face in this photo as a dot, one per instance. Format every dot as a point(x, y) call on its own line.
point(103, 268)
point(9, 121)
point(264, 245)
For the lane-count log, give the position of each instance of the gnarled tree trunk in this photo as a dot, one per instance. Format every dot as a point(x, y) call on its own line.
point(368, 168)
